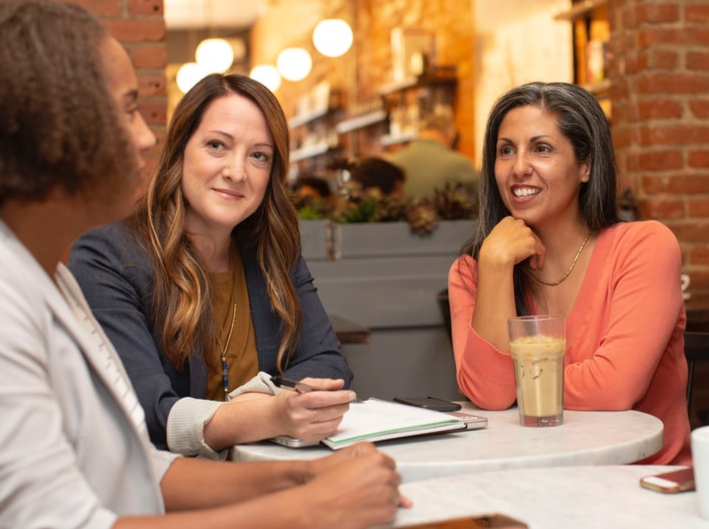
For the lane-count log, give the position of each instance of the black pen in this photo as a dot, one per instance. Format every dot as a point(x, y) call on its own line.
point(294, 385)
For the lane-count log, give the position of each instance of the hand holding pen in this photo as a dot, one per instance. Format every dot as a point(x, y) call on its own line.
point(314, 406)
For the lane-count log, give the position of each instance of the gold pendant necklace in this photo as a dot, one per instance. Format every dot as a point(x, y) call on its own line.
point(225, 366)
point(573, 264)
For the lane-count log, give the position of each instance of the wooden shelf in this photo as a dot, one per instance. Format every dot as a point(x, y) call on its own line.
point(309, 151)
point(304, 119)
point(599, 89)
point(418, 82)
point(361, 121)
point(581, 9)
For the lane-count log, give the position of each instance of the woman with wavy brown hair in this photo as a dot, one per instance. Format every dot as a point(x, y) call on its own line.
point(203, 290)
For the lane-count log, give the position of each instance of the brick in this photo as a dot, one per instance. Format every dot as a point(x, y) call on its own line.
point(672, 83)
point(659, 109)
point(692, 230)
point(624, 136)
point(636, 62)
point(688, 184)
point(663, 59)
point(700, 280)
point(160, 132)
point(697, 60)
point(154, 110)
point(700, 109)
point(652, 36)
point(680, 183)
point(698, 207)
point(678, 134)
point(657, 13)
point(654, 185)
point(137, 30)
point(698, 158)
point(148, 55)
point(657, 160)
point(100, 7)
point(662, 209)
point(699, 255)
point(697, 14)
point(151, 85)
point(145, 7)
point(627, 17)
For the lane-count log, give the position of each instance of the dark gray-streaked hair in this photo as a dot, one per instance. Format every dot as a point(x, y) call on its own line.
point(58, 120)
point(581, 119)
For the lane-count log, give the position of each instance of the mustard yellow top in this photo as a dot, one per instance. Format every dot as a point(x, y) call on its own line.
point(242, 356)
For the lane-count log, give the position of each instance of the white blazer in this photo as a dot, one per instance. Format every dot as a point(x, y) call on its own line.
point(74, 450)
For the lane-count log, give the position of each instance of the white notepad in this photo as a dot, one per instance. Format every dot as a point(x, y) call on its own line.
point(378, 420)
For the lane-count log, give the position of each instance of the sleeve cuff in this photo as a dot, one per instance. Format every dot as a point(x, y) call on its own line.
point(261, 383)
point(185, 428)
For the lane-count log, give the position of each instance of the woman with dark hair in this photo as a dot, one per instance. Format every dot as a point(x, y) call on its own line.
point(549, 241)
point(203, 289)
point(74, 448)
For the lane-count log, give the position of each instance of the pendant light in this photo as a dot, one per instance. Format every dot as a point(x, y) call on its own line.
point(332, 37)
point(189, 75)
point(214, 55)
point(294, 64)
point(267, 75)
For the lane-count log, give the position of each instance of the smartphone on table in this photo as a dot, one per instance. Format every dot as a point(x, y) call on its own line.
point(430, 403)
point(670, 482)
point(292, 442)
point(496, 521)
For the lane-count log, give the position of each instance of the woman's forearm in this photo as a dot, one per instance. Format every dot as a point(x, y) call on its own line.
point(252, 417)
point(197, 484)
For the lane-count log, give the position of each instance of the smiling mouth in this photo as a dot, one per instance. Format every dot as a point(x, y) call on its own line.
point(521, 192)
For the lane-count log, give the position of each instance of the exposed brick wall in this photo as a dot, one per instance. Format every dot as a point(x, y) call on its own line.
point(660, 119)
point(140, 26)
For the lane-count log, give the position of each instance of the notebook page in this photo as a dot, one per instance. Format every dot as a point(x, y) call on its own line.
point(374, 417)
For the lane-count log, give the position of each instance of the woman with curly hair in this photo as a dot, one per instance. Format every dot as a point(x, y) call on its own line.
point(74, 448)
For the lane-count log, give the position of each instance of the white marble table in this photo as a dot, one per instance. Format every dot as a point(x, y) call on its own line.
point(589, 497)
point(585, 438)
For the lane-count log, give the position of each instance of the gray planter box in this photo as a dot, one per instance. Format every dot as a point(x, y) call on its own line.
point(395, 239)
point(315, 239)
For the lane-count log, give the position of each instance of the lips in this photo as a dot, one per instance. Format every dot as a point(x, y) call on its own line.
point(228, 193)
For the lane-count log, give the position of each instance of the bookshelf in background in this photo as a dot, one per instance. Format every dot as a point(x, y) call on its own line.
point(591, 33)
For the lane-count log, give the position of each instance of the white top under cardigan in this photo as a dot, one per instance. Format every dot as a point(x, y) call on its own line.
point(74, 450)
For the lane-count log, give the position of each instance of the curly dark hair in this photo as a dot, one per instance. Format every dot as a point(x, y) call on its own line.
point(58, 121)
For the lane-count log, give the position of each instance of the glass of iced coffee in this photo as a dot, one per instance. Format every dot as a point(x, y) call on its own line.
point(537, 346)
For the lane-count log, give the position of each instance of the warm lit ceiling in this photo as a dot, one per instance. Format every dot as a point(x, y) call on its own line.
point(193, 14)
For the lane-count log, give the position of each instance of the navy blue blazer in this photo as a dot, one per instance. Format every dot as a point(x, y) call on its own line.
point(116, 276)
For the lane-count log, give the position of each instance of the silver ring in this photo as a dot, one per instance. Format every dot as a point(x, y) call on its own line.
point(315, 416)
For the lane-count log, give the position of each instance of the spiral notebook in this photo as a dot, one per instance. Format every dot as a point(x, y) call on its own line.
point(378, 420)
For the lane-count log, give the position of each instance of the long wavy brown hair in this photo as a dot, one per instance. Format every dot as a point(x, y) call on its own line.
point(182, 298)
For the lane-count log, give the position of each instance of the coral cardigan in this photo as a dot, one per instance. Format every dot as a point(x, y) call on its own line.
point(624, 336)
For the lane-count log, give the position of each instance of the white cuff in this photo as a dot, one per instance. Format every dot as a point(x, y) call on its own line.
point(185, 427)
point(261, 383)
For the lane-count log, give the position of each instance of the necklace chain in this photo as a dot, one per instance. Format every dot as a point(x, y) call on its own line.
point(225, 366)
point(573, 264)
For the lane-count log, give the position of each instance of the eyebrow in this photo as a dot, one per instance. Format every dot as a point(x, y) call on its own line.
point(531, 140)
